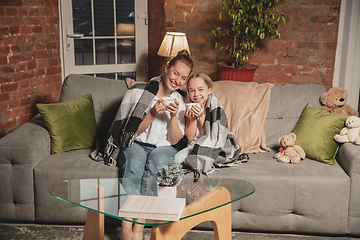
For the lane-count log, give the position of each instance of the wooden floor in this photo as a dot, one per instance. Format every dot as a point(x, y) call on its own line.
point(74, 232)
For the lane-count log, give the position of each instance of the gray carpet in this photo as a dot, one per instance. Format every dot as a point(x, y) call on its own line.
point(112, 232)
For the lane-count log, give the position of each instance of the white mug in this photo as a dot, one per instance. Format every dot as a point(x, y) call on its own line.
point(168, 100)
point(189, 105)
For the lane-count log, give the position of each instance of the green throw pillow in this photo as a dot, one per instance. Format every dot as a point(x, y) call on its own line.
point(315, 133)
point(71, 124)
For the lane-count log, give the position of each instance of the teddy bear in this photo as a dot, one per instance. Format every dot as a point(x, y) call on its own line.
point(334, 101)
point(351, 131)
point(289, 152)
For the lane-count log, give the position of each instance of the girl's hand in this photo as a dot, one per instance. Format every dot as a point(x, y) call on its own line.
point(173, 108)
point(158, 108)
point(197, 111)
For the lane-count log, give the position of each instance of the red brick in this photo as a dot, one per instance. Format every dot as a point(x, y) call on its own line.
point(40, 72)
point(333, 28)
point(31, 65)
point(328, 36)
point(3, 60)
point(4, 50)
point(3, 107)
point(324, 19)
point(264, 60)
point(14, 103)
point(34, 12)
point(311, 79)
point(37, 29)
point(40, 3)
point(14, 113)
point(6, 69)
point(291, 69)
point(9, 124)
point(25, 101)
point(15, 48)
point(25, 30)
point(297, 79)
point(53, 70)
point(23, 119)
point(317, 27)
point(282, 44)
point(274, 69)
point(10, 40)
point(11, 11)
point(24, 84)
point(23, 75)
point(20, 58)
point(35, 20)
point(276, 78)
point(9, 87)
point(53, 61)
point(324, 54)
point(314, 63)
point(20, 67)
point(330, 45)
point(291, 61)
point(42, 54)
point(45, 88)
point(22, 93)
point(4, 97)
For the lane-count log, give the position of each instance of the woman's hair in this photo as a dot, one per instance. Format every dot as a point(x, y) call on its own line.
point(182, 56)
point(204, 77)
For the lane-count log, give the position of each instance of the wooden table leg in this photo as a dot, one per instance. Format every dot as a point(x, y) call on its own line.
point(219, 217)
point(94, 226)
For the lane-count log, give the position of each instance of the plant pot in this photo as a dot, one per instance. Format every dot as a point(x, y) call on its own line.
point(244, 73)
point(169, 192)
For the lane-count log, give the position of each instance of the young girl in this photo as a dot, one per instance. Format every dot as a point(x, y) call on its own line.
point(199, 88)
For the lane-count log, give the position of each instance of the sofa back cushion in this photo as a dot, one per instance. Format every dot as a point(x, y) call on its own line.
point(286, 105)
point(106, 93)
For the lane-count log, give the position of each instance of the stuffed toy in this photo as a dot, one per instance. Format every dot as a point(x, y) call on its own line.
point(289, 152)
point(351, 131)
point(334, 101)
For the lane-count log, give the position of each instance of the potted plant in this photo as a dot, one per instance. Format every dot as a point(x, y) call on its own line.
point(168, 177)
point(250, 22)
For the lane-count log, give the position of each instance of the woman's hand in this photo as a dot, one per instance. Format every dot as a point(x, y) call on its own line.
point(173, 108)
point(158, 108)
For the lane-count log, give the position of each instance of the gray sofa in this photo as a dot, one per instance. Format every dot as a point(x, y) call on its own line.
point(310, 197)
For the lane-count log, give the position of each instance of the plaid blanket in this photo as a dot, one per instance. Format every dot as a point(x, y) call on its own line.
point(218, 147)
point(132, 111)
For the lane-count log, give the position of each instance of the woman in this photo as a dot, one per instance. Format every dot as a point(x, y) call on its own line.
point(161, 128)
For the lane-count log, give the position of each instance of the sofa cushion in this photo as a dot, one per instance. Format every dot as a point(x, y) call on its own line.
point(71, 124)
point(106, 93)
point(315, 133)
point(286, 105)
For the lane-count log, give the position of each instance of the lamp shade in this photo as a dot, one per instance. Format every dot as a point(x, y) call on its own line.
point(172, 43)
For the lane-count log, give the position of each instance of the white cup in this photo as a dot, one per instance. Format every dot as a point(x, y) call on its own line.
point(168, 100)
point(189, 105)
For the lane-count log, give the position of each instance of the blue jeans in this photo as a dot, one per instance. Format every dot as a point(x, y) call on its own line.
point(142, 160)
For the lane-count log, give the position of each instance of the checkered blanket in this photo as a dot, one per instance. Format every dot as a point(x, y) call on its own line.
point(218, 147)
point(134, 106)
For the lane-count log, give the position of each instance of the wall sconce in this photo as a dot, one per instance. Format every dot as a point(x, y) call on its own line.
point(172, 43)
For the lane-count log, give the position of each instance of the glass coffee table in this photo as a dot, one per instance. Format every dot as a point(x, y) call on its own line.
point(207, 199)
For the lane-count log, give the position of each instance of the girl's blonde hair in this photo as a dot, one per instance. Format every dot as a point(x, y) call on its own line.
point(204, 77)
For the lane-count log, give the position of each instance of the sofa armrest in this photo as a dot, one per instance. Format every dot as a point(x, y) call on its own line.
point(20, 152)
point(349, 158)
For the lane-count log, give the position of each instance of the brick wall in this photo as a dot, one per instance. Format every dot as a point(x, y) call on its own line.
point(304, 54)
point(30, 70)
point(30, 60)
